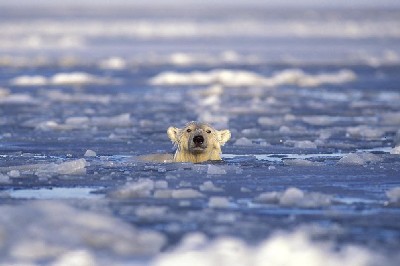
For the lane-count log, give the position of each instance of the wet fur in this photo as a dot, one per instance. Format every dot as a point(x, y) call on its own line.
point(214, 139)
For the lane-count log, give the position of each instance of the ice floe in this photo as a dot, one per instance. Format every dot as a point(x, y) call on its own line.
point(74, 167)
point(82, 122)
point(295, 197)
point(394, 195)
point(218, 202)
point(90, 153)
point(240, 78)
point(72, 78)
point(139, 189)
point(359, 159)
point(395, 150)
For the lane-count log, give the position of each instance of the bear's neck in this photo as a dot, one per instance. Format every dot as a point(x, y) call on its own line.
point(197, 158)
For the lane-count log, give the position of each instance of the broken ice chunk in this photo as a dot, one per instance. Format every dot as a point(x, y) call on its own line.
point(359, 159)
point(394, 195)
point(295, 197)
point(14, 173)
point(243, 142)
point(90, 153)
point(305, 144)
point(218, 202)
point(186, 193)
point(395, 150)
point(139, 189)
point(209, 186)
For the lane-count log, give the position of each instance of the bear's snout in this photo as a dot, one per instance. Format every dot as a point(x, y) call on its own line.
point(198, 140)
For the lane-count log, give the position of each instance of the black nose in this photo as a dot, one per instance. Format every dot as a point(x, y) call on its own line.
point(198, 139)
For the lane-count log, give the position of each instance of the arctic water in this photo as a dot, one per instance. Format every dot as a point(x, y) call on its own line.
point(309, 177)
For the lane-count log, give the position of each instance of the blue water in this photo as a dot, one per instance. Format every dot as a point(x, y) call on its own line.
point(291, 134)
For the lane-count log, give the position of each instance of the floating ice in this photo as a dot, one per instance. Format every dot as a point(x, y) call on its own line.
point(391, 119)
point(215, 170)
point(114, 63)
point(305, 144)
point(78, 97)
point(395, 150)
point(209, 186)
point(77, 78)
point(237, 78)
point(14, 173)
point(365, 132)
point(29, 81)
point(82, 122)
point(18, 98)
point(118, 120)
point(186, 193)
point(52, 231)
point(4, 179)
point(320, 120)
point(74, 167)
point(394, 195)
point(139, 189)
point(287, 249)
point(218, 202)
point(73, 78)
point(243, 142)
point(295, 197)
point(359, 159)
point(90, 153)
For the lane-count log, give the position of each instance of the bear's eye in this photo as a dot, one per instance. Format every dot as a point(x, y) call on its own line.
point(208, 131)
point(188, 130)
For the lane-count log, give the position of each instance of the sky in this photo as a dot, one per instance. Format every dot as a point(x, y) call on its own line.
point(266, 3)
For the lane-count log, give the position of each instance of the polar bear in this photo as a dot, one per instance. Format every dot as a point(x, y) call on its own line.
point(197, 142)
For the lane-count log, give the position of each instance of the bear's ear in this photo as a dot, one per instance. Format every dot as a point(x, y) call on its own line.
point(223, 136)
point(173, 134)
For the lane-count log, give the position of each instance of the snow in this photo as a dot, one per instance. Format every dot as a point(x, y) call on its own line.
point(359, 159)
point(235, 78)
